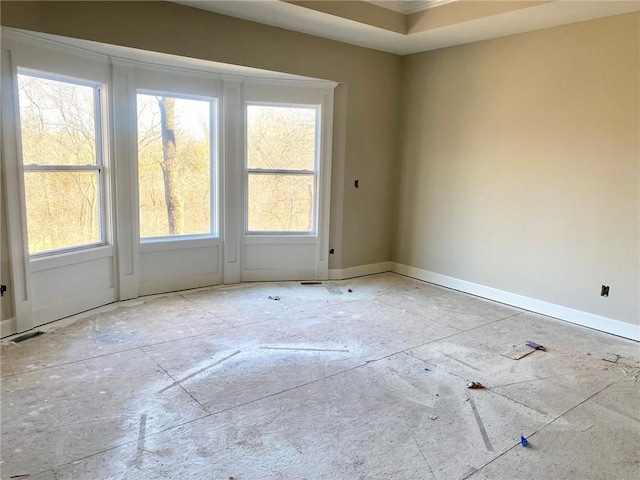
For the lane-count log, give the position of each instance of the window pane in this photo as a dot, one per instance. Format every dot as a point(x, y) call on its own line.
point(62, 209)
point(280, 203)
point(174, 166)
point(57, 121)
point(281, 138)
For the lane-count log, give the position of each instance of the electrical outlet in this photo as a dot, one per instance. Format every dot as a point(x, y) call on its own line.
point(604, 291)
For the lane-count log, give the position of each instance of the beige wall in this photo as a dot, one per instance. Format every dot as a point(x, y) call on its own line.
point(367, 101)
point(520, 164)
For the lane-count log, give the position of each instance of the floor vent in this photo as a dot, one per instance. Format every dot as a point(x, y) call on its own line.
point(26, 336)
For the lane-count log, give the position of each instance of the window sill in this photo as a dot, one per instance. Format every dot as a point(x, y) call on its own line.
point(63, 259)
point(172, 243)
point(262, 239)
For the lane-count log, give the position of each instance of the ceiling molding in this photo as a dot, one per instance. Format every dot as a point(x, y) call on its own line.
point(408, 7)
point(466, 28)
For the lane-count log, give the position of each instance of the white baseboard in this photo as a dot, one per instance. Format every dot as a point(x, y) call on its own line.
point(359, 271)
point(597, 322)
point(8, 327)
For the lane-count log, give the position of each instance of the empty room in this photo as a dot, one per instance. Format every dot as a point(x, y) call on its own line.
point(320, 240)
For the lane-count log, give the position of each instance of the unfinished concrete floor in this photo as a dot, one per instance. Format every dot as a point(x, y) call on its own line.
point(321, 384)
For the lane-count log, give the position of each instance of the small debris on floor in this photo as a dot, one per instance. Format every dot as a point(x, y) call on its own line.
point(535, 346)
point(24, 475)
point(611, 357)
point(523, 441)
point(475, 385)
point(273, 298)
point(427, 370)
point(349, 290)
point(433, 417)
point(518, 352)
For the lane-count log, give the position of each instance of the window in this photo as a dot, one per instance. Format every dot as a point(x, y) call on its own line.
point(175, 167)
point(282, 168)
point(60, 124)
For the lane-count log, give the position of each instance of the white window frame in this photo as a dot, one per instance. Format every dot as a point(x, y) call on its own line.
point(268, 171)
point(214, 139)
point(100, 112)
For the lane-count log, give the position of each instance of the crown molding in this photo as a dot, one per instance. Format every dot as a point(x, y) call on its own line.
point(409, 7)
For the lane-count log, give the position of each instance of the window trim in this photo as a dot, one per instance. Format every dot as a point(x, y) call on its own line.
point(315, 172)
point(214, 179)
point(100, 111)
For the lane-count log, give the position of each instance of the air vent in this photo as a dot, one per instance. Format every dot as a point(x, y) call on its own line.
point(26, 336)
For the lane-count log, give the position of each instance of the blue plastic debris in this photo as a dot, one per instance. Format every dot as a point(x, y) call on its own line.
point(535, 346)
point(523, 441)
point(427, 370)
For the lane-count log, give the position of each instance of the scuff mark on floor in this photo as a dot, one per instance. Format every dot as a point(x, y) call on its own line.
point(177, 382)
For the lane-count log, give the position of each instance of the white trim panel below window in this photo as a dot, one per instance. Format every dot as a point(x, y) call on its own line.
point(169, 270)
point(69, 289)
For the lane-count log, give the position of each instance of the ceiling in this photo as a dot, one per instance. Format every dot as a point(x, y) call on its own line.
point(404, 27)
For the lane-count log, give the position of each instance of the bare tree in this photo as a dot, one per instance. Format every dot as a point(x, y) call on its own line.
point(172, 193)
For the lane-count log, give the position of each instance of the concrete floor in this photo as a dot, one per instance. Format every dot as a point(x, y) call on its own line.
point(322, 384)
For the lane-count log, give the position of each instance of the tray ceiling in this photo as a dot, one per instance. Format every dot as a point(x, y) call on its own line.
point(405, 27)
